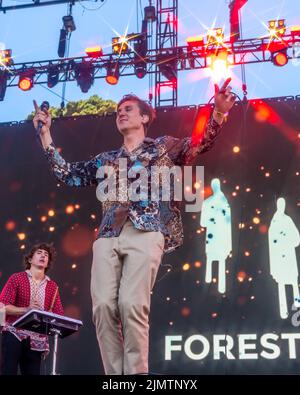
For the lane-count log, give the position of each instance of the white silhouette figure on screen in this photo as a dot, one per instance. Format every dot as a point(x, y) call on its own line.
point(283, 239)
point(216, 218)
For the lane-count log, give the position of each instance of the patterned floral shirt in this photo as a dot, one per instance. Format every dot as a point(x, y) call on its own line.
point(146, 214)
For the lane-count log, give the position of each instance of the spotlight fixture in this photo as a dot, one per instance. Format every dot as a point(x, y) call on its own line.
point(150, 13)
point(281, 27)
point(280, 58)
point(140, 69)
point(120, 45)
point(26, 80)
point(5, 57)
point(69, 23)
point(276, 28)
point(113, 73)
point(141, 49)
point(53, 76)
point(84, 75)
point(167, 65)
point(215, 36)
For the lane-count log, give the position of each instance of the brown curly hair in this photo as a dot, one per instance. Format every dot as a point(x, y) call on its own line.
point(41, 246)
point(145, 109)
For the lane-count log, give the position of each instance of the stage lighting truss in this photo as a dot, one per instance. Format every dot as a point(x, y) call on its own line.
point(197, 54)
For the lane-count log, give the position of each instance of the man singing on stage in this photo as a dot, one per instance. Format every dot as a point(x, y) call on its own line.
point(133, 235)
point(30, 289)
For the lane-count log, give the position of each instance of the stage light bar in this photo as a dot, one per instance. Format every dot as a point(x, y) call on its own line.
point(94, 52)
point(295, 30)
point(196, 41)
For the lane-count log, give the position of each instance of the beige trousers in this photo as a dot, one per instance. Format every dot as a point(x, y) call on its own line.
point(123, 274)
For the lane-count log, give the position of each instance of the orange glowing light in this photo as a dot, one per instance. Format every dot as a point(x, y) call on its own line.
point(219, 66)
point(21, 236)
point(256, 220)
point(280, 58)
point(10, 225)
point(236, 149)
point(200, 124)
point(185, 311)
point(195, 41)
point(43, 218)
point(94, 52)
point(241, 276)
point(198, 264)
point(70, 209)
point(186, 267)
point(112, 79)
point(263, 229)
point(25, 83)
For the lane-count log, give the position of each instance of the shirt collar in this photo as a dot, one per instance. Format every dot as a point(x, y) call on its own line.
point(30, 275)
point(123, 149)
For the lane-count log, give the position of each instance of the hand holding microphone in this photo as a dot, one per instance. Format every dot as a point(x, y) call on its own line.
point(42, 118)
point(42, 123)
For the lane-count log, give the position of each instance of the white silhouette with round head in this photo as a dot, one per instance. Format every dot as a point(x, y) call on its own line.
point(283, 239)
point(216, 218)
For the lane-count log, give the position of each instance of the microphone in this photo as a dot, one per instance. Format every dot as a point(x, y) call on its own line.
point(44, 106)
